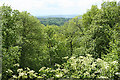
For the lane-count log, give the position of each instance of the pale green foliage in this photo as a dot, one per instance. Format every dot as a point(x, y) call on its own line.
point(88, 17)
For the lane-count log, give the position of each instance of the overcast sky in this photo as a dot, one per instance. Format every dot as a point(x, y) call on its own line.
point(53, 7)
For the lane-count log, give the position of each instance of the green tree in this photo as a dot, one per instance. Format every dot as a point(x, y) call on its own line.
point(31, 36)
point(55, 43)
point(10, 51)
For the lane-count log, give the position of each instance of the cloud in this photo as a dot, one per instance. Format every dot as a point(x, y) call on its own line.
point(52, 7)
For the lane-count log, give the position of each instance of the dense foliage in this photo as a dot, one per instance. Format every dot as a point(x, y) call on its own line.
point(53, 21)
point(81, 48)
point(80, 67)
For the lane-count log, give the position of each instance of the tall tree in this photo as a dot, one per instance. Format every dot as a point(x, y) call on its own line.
point(10, 51)
point(31, 35)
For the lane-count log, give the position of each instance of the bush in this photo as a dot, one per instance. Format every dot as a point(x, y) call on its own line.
point(75, 67)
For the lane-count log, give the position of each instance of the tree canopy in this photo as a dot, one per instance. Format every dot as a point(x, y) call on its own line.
point(87, 47)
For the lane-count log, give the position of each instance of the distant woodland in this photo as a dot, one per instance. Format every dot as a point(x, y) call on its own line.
point(53, 21)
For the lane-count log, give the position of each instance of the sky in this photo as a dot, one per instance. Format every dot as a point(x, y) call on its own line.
point(53, 7)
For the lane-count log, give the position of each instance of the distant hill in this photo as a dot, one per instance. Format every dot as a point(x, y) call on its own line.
point(57, 16)
point(59, 21)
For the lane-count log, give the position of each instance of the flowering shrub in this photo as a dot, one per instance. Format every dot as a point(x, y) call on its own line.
point(19, 73)
point(88, 67)
point(75, 67)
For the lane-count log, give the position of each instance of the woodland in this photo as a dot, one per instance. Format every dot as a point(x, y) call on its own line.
point(53, 21)
point(81, 48)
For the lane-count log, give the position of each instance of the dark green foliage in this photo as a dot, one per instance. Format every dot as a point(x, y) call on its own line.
point(54, 21)
point(31, 37)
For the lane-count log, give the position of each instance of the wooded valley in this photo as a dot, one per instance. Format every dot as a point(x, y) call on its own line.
point(87, 47)
point(54, 21)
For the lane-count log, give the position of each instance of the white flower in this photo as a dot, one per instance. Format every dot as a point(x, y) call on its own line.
point(81, 56)
point(42, 68)
point(117, 73)
point(59, 75)
point(57, 65)
point(103, 77)
point(14, 76)
point(6, 71)
point(114, 62)
point(65, 57)
point(27, 68)
point(21, 74)
point(31, 71)
point(72, 57)
point(86, 73)
point(106, 67)
point(10, 71)
point(101, 26)
point(16, 65)
point(89, 55)
point(64, 70)
point(20, 70)
point(52, 70)
point(99, 60)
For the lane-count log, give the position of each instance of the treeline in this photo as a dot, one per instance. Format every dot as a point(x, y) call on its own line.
point(53, 21)
point(81, 48)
